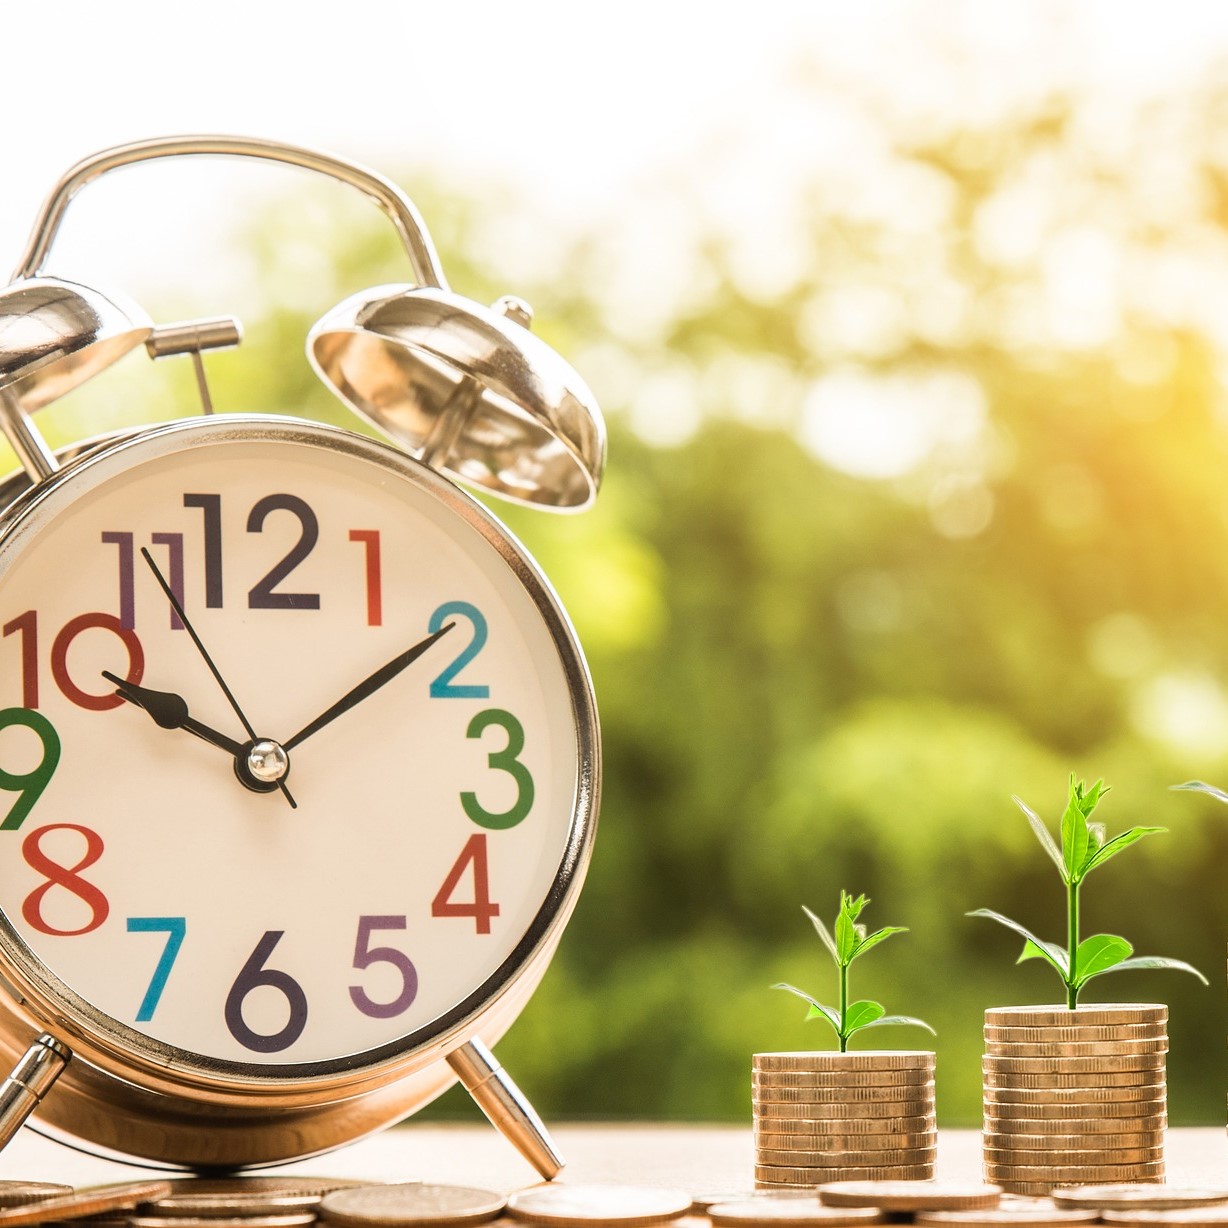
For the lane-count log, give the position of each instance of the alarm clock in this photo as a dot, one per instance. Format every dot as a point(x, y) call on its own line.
point(299, 756)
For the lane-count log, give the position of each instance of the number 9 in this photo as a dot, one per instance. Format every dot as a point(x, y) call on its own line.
point(29, 785)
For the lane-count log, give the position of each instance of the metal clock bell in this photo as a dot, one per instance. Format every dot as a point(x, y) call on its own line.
point(299, 757)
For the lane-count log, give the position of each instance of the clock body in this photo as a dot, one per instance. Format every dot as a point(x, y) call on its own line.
point(251, 971)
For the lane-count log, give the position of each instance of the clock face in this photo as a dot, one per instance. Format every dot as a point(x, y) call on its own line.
point(338, 858)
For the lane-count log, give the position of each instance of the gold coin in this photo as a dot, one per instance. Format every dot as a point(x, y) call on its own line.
point(22, 1193)
point(779, 1174)
point(847, 1110)
point(910, 1195)
point(95, 1200)
point(238, 1219)
point(1076, 1048)
point(1064, 1174)
point(701, 1202)
point(1064, 1156)
point(1035, 1212)
point(207, 1198)
point(1040, 1141)
point(1076, 1034)
point(411, 1202)
point(887, 1093)
point(627, 1205)
point(1190, 1217)
point(835, 1143)
point(788, 1213)
point(844, 1159)
point(1100, 1015)
point(1134, 1197)
point(1116, 1063)
point(1154, 1109)
point(864, 1059)
point(872, 1127)
point(840, 1078)
point(1073, 1087)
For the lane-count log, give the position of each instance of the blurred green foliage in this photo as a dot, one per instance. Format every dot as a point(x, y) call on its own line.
point(811, 680)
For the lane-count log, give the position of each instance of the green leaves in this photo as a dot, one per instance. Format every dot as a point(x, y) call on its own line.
point(845, 942)
point(1084, 848)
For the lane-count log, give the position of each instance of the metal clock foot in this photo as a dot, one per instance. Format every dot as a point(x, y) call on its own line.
point(23, 1091)
point(505, 1106)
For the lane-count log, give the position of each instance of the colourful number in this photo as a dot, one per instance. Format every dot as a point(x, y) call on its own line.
point(59, 659)
point(262, 595)
point(211, 506)
point(174, 548)
point(365, 955)
point(174, 928)
point(480, 908)
point(443, 687)
point(127, 585)
point(370, 539)
point(67, 877)
point(504, 760)
point(27, 625)
point(29, 785)
point(254, 975)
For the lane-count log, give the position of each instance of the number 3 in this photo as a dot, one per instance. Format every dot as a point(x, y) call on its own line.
point(504, 760)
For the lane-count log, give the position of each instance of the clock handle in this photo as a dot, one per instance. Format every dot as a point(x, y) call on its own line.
point(22, 1092)
point(505, 1106)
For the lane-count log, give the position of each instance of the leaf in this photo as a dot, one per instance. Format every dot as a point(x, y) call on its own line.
point(1115, 846)
point(817, 1009)
point(846, 928)
point(1142, 962)
point(1074, 835)
point(903, 1020)
point(1042, 834)
point(1049, 951)
point(864, 944)
point(823, 932)
point(861, 1015)
point(1098, 954)
point(1198, 786)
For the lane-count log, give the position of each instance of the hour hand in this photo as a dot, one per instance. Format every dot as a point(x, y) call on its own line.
point(170, 711)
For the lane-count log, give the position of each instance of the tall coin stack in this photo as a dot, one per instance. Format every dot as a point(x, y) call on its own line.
point(1074, 1097)
point(862, 1116)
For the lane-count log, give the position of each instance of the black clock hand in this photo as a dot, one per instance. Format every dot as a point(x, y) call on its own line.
point(367, 687)
point(170, 711)
point(177, 606)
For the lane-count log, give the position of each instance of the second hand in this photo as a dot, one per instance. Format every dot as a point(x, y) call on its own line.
point(177, 606)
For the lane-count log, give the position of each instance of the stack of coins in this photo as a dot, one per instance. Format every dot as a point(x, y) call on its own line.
point(1074, 1097)
point(822, 1117)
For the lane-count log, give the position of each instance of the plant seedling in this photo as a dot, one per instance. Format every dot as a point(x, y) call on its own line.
point(849, 941)
point(1083, 849)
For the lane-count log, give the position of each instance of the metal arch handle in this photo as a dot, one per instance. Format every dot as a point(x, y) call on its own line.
point(395, 204)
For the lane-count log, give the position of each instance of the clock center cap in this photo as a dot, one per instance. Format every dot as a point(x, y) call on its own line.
point(267, 761)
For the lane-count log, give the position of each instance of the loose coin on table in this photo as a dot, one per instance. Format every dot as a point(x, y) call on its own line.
point(789, 1213)
point(237, 1219)
point(910, 1195)
point(625, 1205)
point(1215, 1216)
point(1155, 1196)
point(1032, 1212)
point(210, 1197)
point(409, 1203)
point(93, 1200)
point(22, 1193)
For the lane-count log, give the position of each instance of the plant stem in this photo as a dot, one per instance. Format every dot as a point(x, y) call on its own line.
point(844, 1006)
point(1072, 944)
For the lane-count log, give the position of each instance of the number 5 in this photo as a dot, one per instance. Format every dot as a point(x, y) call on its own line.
point(365, 955)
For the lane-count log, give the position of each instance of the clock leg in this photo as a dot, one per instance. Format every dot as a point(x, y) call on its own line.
point(23, 1091)
point(505, 1105)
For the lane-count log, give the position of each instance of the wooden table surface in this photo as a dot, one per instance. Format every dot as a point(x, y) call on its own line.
point(702, 1159)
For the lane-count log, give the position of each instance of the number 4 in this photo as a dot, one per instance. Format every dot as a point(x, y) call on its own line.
point(480, 908)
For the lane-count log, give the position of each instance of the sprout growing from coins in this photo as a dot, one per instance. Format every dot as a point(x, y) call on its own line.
point(849, 941)
point(1083, 849)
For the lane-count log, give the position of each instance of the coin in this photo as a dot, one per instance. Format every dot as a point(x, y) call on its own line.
point(208, 1198)
point(1070, 1142)
point(1102, 1014)
point(1035, 1212)
point(1076, 1110)
point(889, 1093)
point(910, 1195)
point(846, 1142)
point(1077, 1032)
point(789, 1213)
point(701, 1202)
point(1075, 1155)
point(1190, 1217)
point(1064, 1174)
point(1109, 1063)
point(239, 1219)
point(415, 1202)
point(1135, 1197)
point(597, 1204)
point(865, 1059)
point(22, 1193)
point(1056, 1089)
point(846, 1110)
point(93, 1200)
point(782, 1175)
point(841, 1127)
point(844, 1159)
point(840, 1078)
point(1075, 1048)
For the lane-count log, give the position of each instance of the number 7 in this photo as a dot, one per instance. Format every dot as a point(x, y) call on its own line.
point(174, 928)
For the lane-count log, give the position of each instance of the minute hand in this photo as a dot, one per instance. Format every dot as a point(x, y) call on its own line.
point(368, 687)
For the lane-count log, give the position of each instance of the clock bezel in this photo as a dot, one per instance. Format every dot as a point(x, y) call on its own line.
point(126, 1050)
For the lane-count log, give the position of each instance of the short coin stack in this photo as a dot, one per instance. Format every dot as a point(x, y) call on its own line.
point(822, 1117)
point(1074, 1097)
